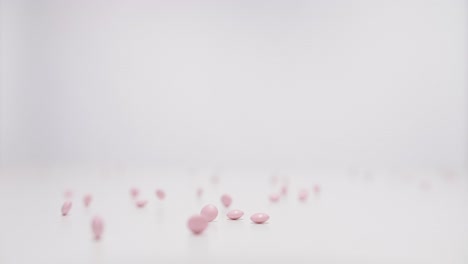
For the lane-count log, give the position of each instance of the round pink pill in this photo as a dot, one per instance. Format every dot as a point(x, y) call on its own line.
point(141, 203)
point(210, 212)
point(274, 197)
point(66, 207)
point(134, 192)
point(160, 194)
point(235, 214)
point(97, 225)
point(87, 199)
point(226, 200)
point(259, 218)
point(303, 195)
point(197, 224)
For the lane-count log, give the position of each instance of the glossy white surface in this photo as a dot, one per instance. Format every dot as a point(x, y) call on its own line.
point(381, 218)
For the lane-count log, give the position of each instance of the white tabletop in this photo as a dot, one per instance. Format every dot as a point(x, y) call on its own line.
point(378, 217)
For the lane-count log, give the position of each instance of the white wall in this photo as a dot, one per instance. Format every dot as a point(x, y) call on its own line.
point(234, 83)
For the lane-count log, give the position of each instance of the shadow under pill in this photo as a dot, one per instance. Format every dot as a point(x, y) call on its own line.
point(198, 244)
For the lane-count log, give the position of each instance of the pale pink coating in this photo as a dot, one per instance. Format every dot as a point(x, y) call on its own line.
point(141, 203)
point(160, 194)
point(226, 199)
point(303, 195)
point(259, 218)
point(274, 197)
point(66, 207)
point(235, 214)
point(97, 225)
point(134, 192)
point(210, 212)
point(87, 199)
point(199, 192)
point(197, 223)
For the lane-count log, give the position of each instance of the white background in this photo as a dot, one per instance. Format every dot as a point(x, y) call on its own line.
point(235, 83)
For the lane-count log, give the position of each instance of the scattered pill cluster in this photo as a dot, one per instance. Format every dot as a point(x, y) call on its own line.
point(197, 223)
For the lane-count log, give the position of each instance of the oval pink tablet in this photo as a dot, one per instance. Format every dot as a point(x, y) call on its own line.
point(97, 225)
point(87, 199)
point(274, 197)
point(303, 195)
point(215, 179)
point(259, 218)
point(160, 194)
point(235, 214)
point(68, 194)
point(141, 203)
point(199, 192)
point(197, 224)
point(226, 200)
point(134, 192)
point(284, 190)
point(66, 207)
point(210, 212)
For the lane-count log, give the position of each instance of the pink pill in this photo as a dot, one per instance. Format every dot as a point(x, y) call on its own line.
point(303, 195)
point(197, 224)
point(210, 212)
point(141, 203)
point(274, 197)
point(87, 199)
point(97, 225)
point(259, 218)
point(316, 189)
point(199, 192)
point(66, 207)
point(68, 194)
point(235, 214)
point(226, 200)
point(284, 190)
point(215, 179)
point(274, 179)
point(134, 192)
point(160, 194)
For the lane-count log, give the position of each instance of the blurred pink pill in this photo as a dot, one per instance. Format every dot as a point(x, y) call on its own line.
point(199, 192)
point(274, 197)
point(141, 203)
point(97, 226)
point(68, 194)
point(66, 207)
point(303, 195)
point(226, 200)
point(210, 212)
point(235, 214)
point(274, 179)
point(197, 224)
point(87, 199)
point(160, 194)
point(134, 192)
point(215, 179)
point(316, 189)
point(284, 190)
point(259, 218)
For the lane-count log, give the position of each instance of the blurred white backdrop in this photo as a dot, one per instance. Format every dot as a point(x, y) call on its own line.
point(234, 83)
